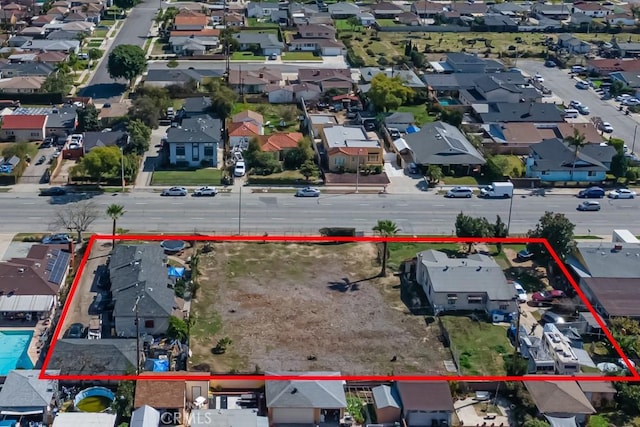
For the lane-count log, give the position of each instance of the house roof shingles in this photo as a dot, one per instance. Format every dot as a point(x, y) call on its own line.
point(559, 397)
point(327, 394)
point(618, 296)
point(554, 154)
point(24, 122)
point(440, 143)
point(24, 389)
point(94, 357)
point(425, 396)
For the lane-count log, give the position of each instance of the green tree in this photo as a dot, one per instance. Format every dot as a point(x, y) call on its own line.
point(534, 422)
point(94, 54)
point(139, 137)
point(178, 329)
point(619, 165)
point(435, 174)
point(577, 141)
point(295, 158)
point(88, 119)
point(57, 82)
point(115, 211)
point(388, 93)
point(227, 40)
point(123, 403)
point(147, 110)
point(617, 143)
point(19, 149)
point(354, 22)
point(495, 167)
point(222, 99)
point(309, 169)
point(100, 162)
point(467, 226)
point(452, 117)
point(126, 61)
point(258, 161)
point(500, 231)
point(558, 231)
point(385, 228)
point(628, 398)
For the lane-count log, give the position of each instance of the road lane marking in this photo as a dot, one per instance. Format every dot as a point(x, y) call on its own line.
point(277, 219)
point(28, 203)
point(198, 219)
point(34, 217)
point(140, 203)
point(319, 219)
point(156, 219)
point(436, 206)
point(364, 204)
point(359, 219)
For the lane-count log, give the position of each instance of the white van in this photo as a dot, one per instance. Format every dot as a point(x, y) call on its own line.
point(578, 69)
point(570, 113)
point(581, 84)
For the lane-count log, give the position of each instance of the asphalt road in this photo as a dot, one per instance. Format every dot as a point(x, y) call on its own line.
point(563, 86)
point(280, 213)
point(134, 31)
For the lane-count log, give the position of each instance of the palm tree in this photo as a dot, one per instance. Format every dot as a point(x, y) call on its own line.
point(385, 228)
point(577, 141)
point(114, 212)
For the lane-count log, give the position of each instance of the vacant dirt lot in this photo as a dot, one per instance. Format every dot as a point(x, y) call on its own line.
point(299, 307)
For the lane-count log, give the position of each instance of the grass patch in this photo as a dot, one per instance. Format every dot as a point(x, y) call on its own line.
point(101, 33)
point(387, 23)
point(300, 56)
point(187, 177)
point(587, 237)
point(480, 346)
point(619, 418)
point(460, 180)
point(159, 48)
point(272, 114)
point(29, 237)
point(344, 25)
point(402, 251)
point(258, 23)
point(513, 164)
point(246, 56)
point(419, 113)
point(283, 178)
point(94, 43)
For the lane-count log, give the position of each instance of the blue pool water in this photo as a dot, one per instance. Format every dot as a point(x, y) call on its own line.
point(445, 102)
point(13, 351)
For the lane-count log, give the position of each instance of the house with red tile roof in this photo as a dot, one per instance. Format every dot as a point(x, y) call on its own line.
point(249, 116)
point(190, 21)
point(280, 143)
point(606, 66)
point(23, 127)
point(241, 133)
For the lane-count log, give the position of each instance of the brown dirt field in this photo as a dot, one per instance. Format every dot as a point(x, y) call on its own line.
point(283, 303)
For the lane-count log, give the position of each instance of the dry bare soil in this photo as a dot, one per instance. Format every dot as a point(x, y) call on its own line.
point(307, 307)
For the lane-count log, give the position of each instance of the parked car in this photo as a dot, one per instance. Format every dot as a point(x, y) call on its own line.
point(394, 133)
point(549, 63)
point(551, 317)
point(76, 330)
point(583, 109)
point(458, 192)
point(539, 78)
point(53, 191)
point(574, 103)
point(606, 127)
point(622, 193)
point(589, 205)
point(273, 57)
point(631, 101)
point(205, 192)
point(239, 169)
point(525, 255)
point(308, 192)
point(546, 296)
point(413, 169)
point(622, 97)
point(41, 160)
point(56, 239)
point(174, 191)
point(520, 292)
point(591, 193)
point(369, 126)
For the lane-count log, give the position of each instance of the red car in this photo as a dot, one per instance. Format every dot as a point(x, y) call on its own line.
point(546, 296)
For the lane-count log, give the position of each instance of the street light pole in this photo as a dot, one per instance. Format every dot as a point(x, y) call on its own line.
point(633, 145)
point(358, 170)
point(510, 209)
point(240, 211)
point(122, 168)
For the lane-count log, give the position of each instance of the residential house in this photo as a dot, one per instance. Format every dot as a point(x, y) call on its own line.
point(280, 143)
point(61, 122)
point(490, 88)
point(605, 260)
point(240, 134)
point(324, 47)
point(24, 393)
point(386, 404)
point(253, 81)
point(425, 403)
point(426, 9)
point(366, 19)
point(302, 401)
point(400, 121)
point(626, 50)
point(33, 32)
point(111, 138)
point(473, 283)
point(140, 289)
point(260, 42)
point(42, 20)
point(499, 23)
point(26, 84)
point(280, 17)
point(18, 40)
point(505, 112)
point(35, 69)
point(514, 10)
point(439, 143)
point(594, 10)
point(249, 116)
point(196, 142)
point(606, 66)
point(386, 10)
point(560, 399)
point(467, 9)
point(573, 44)
point(190, 21)
point(68, 46)
point(449, 84)
point(408, 18)
point(315, 122)
point(51, 58)
point(261, 10)
point(409, 77)
point(626, 19)
point(193, 45)
point(580, 19)
point(347, 147)
point(628, 79)
point(22, 128)
point(293, 93)
point(557, 12)
point(456, 62)
point(76, 17)
point(316, 31)
point(343, 10)
point(62, 35)
point(235, 20)
point(106, 356)
point(31, 284)
point(552, 160)
point(23, 57)
point(77, 26)
point(195, 106)
point(612, 296)
point(227, 418)
point(93, 419)
point(327, 78)
point(164, 78)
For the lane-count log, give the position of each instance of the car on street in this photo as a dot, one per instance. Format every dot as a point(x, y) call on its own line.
point(273, 57)
point(41, 160)
point(549, 64)
point(174, 191)
point(205, 192)
point(589, 205)
point(574, 103)
point(308, 192)
point(539, 78)
point(240, 169)
point(459, 192)
point(606, 127)
point(53, 191)
point(551, 317)
point(631, 102)
point(622, 193)
point(547, 296)
point(76, 330)
point(591, 193)
point(522, 294)
point(524, 255)
point(583, 109)
point(622, 97)
point(56, 239)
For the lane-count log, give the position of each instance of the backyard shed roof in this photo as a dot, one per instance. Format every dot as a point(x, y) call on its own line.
point(23, 389)
point(326, 394)
point(84, 419)
point(385, 397)
point(559, 397)
point(425, 396)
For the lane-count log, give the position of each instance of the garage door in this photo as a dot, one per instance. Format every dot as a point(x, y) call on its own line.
point(420, 418)
point(293, 415)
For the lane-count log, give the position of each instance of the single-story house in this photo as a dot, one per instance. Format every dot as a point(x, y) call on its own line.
point(612, 296)
point(107, 356)
point(573, 44)
point(196, 142)
point(409, 77)
point(491, 89)
point(605, 260)
point(425, 403)
point(594, 10)
point(385, 10)
point(61, 122)
point(164, 78)
point(195, 106)
point(189, 20)
point(264, 43)
point(343, 9)
point(628, 79)
point(506, 112)
point(261, 9)
point(92, 140)
point(348, 147)
point(293, 93)
point(68, 46)
point(24, 393)
point(22, 128)
point(327, 78)
point(426, 9)
point(400, 121)
point(626, 50)
point(302, 401)
point(26, 84)
point(26, 69)
point(324, 46)
point(253, 81)
point(553, 160)
point(387, 405)
point(366, 19)
point(249, 116)
point(241, 133)
point(193, 45)
point(280, 143)
point(560, 399)
point(600, 393)
point(605, 66)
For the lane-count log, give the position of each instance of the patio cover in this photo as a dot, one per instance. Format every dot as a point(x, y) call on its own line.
point(22, 411)
point(26, 303)
point(400, 144)
point(562, 422)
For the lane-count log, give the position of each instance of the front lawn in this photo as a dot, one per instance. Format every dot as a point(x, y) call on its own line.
point(272, 114)
point(246, 56)
point(94, 43)
point(344, 25)
point(102, 33)
point(479, 346)
point(255, 23)
point(419, 113)
point(469, 181)
point(283, 178)
point(513, 164)
point(187, 177)
point(300, 56)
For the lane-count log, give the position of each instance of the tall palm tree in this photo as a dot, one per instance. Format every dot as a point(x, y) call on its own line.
point(114, 212)
point(385, 228)
point(577, 141)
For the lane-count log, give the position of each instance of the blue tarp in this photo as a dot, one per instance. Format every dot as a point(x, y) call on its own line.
point(7, 423)
point(160, 365)
point(176, 271)
point(413, 129)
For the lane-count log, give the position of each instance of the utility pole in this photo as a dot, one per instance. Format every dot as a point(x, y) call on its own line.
point(122, 168)
point(358, 171)
point(510, 209)
point(633, 145)
point(240, 211)
point(226, 39)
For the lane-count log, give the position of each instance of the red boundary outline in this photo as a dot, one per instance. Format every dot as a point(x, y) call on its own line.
point(513, 240)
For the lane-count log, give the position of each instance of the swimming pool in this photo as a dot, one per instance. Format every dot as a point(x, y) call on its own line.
point(445, 102)
point(14, 346)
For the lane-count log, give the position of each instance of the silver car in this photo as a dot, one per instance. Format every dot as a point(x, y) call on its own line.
point(174, 191)
point(458, 192)
point(205, 192)
point(589, 205)
point(308, 192)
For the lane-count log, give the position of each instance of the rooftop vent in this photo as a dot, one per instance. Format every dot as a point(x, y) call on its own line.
point(294, 390)
point(617, 248)
point(21, 270)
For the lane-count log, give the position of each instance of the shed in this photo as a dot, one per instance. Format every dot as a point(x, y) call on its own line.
point(145, 416)
point(386, 404)
point(84, 419)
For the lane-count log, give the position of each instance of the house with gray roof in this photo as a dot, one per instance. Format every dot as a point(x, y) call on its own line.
point(399, 120)
point(193, 45)
point(495, 88)
point(439, 143)
point(164, 78)
point(425, 403)
point(473, 283)
point(24, 393)
point(23, 69)
point(117, 138)
point(386, 404)
point(304, 402)
point(138, 273)
point(67, 46)
point(552, 160)
point(605, 259)
point(265, 43)
point(460, 62)
point(508, 112)
point(573, 44)
point(628, 78)
point(107, 356)
point(261, 10)
point(409, 77)
point(195, 143)
point(343, 9)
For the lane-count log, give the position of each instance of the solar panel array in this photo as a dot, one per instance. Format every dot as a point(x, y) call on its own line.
point(57, 266)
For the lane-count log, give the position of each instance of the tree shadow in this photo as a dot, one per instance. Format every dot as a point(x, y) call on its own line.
point(104, 90)
point(346, 285)
point(413, 297)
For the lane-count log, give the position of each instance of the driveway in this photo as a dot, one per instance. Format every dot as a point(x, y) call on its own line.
point(33, 174)
point(471, 412)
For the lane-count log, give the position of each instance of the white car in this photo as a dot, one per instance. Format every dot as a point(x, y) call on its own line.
point(622, 97)
point(174, 191)
point(622, 193)
point(240, 169)
point(606, 127)
point(631, 102)
point(205, 192)
point(308, 192)
point(57, 239)
point(539, 78)
point(459, 192)
point(522, 294)
point(575, 104)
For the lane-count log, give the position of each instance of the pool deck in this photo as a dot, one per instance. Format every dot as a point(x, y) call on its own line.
point(40, 330)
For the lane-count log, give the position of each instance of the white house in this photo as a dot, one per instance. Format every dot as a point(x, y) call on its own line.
point(366, 19)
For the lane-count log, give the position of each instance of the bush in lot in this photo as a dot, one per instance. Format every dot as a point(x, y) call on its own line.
point(338, 232)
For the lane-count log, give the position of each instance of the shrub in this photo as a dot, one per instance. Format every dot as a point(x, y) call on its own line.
point(383, 61)
point(632, 175)
point(338, 232)
point(370, 52)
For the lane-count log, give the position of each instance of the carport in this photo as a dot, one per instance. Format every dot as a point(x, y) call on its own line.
point(12, 306)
